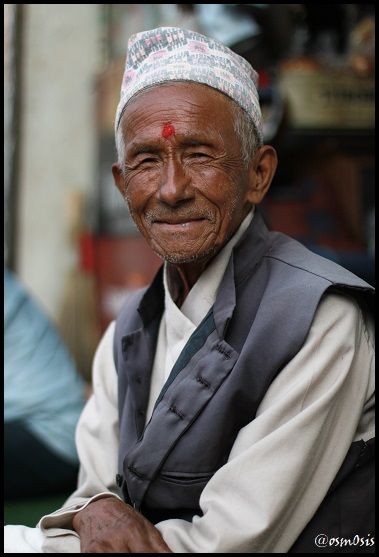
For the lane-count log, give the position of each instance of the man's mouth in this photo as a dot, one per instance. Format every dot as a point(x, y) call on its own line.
point(183, 220)
point(179, 224)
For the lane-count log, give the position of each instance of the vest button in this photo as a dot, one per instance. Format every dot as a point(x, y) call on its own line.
point(119, 480)
point(176, 411)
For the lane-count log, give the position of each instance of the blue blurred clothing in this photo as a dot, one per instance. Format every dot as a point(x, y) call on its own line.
point(42, 388)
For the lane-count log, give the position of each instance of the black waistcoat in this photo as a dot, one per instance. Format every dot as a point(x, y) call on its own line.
point(262, 314)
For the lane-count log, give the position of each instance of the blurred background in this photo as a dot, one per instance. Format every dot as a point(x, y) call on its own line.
point(68, 234)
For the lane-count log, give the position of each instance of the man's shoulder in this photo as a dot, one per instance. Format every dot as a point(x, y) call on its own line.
point(307, 265)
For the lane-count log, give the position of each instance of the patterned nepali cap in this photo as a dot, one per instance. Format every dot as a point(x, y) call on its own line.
point(174, 54)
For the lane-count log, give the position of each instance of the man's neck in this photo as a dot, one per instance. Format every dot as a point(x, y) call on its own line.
point(181, 278)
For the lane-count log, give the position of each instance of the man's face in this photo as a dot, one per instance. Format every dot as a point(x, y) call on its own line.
point(184, 180)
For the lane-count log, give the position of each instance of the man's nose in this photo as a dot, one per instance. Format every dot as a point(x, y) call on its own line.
point(175, 183)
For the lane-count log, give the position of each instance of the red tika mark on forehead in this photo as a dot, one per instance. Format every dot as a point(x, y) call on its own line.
point(168, 131)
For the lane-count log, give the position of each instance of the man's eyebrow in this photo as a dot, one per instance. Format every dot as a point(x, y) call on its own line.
point(143, 148)
point(187, 142)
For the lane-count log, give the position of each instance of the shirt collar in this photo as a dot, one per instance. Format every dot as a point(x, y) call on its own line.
point(203, 293)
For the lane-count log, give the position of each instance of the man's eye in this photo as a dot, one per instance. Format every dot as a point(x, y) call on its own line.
point(140, 164)
point(147, 160)
point(137, 163)
point(198, 155)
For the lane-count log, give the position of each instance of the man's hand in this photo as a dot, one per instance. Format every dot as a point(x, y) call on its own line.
point(110, 526)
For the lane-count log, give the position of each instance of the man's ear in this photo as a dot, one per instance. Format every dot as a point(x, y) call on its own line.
point(261, 172)
point(118, 178)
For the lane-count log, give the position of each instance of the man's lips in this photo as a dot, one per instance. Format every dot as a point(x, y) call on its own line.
point(174, 221)
point(179, 224)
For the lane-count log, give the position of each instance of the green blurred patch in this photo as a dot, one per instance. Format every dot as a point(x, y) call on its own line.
point(28, 511)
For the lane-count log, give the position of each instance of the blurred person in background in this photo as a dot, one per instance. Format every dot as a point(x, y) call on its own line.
point(233, 397)
point(43, 398)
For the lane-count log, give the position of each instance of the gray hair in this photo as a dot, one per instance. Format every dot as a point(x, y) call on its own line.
point(243, 127)
point(245, 130)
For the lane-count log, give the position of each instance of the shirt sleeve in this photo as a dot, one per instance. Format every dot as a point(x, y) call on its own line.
point(282, 463)
point(97, 442)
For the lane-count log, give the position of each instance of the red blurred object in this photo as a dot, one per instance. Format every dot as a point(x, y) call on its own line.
point(87, 252)
point(264, 80)
point(122, 264)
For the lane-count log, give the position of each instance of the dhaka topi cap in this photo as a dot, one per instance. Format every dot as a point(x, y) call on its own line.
point(175, 54)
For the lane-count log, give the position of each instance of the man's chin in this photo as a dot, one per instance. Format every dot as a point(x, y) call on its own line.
point(182, 258)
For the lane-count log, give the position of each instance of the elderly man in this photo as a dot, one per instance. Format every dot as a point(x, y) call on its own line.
point(233, 398)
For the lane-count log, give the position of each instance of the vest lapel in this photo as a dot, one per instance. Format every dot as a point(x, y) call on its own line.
point(138, 350)
point(203, 365)
point(138, 354)
point(180, 405)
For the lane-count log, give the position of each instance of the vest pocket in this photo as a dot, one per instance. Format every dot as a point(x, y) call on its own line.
point(185, 478)
point(177, 490)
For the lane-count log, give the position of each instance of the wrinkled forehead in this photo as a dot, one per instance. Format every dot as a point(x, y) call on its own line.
point(196, 94)
point(178, 108)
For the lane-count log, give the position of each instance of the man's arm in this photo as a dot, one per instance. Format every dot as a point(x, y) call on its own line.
point(283, 462)
point(97, 444)
point(97, 434)
point(94, 511)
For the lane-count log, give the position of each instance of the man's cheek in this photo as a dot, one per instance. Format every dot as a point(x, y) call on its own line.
point(137, 190)
point(144, 182)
